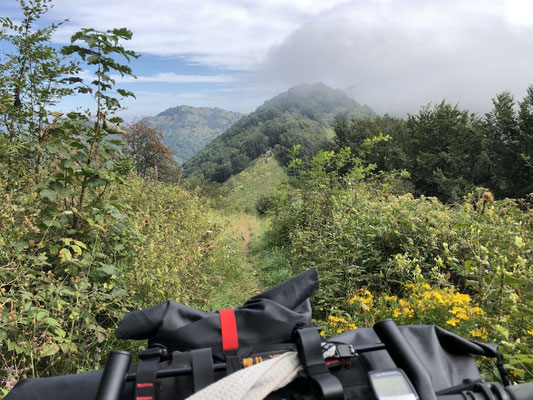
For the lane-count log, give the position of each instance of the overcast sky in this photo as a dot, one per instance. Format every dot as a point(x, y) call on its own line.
point(394, 55)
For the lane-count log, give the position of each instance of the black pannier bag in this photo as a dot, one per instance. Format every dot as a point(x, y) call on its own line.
point(189, 349)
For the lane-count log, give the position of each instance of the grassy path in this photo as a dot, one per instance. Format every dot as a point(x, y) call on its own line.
point(245, 227)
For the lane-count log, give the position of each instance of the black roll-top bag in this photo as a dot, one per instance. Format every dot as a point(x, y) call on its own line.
point(189, 349)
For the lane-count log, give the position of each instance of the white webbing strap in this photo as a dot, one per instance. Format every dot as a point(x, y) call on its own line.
point(255, 382)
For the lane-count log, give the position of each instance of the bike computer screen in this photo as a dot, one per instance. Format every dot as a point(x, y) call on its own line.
point(391, 384)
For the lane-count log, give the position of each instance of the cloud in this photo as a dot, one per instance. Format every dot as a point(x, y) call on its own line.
point(399, 55)
point(395, 55)
point(171, 77)
point(231, 34)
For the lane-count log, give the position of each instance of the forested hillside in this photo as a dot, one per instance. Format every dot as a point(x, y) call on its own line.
point(302, 115)
point(186, 130)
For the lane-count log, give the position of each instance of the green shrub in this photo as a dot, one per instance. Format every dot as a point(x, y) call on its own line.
point(359, 235)
point(58, 313)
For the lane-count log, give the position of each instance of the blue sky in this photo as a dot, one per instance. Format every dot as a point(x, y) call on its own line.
point(395, 55)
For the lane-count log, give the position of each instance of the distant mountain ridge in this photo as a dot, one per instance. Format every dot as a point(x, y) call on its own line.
point(186, 130)
point(303, 115)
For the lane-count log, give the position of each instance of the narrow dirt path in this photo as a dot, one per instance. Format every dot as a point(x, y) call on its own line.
point(246, 226)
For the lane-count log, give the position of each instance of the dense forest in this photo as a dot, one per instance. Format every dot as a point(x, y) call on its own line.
point(302, 115)
point(447, 151)
point(186, 130)
point(427, 219)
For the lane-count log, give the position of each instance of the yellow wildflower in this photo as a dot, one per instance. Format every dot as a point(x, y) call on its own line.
point(481, 333)
point(477, 310)
point(439, 297)
point(408, 312)
point(452, 322)
point(336, 320)
point(462, 315)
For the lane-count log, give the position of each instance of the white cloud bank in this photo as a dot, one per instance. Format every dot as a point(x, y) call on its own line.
point(395, 54)
point(399, 55)
point(232, 34)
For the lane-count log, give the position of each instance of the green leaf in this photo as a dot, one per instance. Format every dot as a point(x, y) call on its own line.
point(49, 350)
point(65, 255)
point(52, 148)
point(123, 33)
point(60, 332)
point(100, 337)
point(81, 244)
point(125, 93)
point(42, 314)
point(76, 249)
point(21, 245)
point(108, 269)
point(49, 194)
point(52, 322)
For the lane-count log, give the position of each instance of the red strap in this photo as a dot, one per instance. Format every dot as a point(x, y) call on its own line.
point(228, 325)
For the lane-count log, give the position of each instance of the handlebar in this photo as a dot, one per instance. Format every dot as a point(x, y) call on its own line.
point(405, 358)
point(523, 391)
point(494, 391)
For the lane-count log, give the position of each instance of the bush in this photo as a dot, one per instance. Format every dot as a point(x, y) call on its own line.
point(418, 303)
point(359, 235)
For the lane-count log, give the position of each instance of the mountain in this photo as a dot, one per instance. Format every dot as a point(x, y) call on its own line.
point(186, 130)
point(302, 115)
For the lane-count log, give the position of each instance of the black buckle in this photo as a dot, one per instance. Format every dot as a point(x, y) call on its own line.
point(160, 352)
point(344, 351)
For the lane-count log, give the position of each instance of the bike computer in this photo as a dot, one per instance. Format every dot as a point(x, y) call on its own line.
point(391, 384)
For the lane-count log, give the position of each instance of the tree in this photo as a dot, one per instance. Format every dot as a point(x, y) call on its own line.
point(144, 146)
point(387, 155)
point(525, 121)
point(81, 143)
point(507, 143)
point(33, 78)
point(442, 150)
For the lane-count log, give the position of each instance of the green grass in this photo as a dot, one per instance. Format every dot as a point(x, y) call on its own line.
point(273, 263)
point(245, 188)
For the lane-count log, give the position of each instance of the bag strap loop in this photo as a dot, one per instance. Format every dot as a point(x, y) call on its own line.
point(309, 346)
point(202, 368)
point(146, 378)
point(228, 328)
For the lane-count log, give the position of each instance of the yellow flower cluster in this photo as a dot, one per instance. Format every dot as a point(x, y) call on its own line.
point(425, 299)
point(340, 324)
point(364, 298)
point(480, 333)
point(420, 303)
